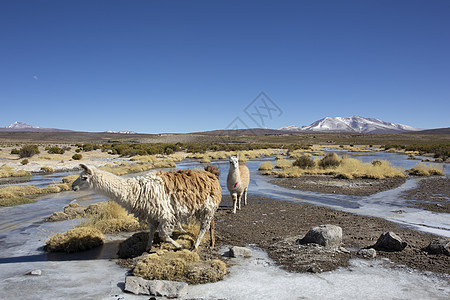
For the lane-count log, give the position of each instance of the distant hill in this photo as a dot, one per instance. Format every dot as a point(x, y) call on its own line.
point(24, 127)
point(351, 124)
point(433, 131)
point(249, 131)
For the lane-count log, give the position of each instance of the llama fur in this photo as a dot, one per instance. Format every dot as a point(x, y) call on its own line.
point(164, 199)
point(237, 182)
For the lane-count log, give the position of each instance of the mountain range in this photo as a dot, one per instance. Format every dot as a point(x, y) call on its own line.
point(355, 124)
point(351, 124)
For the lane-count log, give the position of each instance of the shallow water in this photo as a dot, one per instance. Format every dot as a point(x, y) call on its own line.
point(91, 275)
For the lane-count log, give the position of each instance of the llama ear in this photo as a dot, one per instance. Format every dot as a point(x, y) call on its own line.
point(86, 169)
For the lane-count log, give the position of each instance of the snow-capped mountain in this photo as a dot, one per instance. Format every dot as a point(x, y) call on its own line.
point(352, 124)
point(122, 131)
point(20, 125)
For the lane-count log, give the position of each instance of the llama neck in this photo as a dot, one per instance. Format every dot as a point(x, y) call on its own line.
point(110, 185)
point(234, 175)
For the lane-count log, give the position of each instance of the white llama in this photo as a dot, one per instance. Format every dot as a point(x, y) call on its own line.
point(237, 182)
point(164, 199)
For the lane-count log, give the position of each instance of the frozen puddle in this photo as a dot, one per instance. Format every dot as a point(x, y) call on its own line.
point(255, 278)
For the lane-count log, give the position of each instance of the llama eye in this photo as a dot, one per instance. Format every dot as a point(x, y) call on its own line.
point(83, 178)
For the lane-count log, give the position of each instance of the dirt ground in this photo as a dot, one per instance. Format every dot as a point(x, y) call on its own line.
point(330, 185)
point(275, 225)
point(432, 194)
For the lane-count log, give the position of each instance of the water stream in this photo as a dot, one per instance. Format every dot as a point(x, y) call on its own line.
point(91, 275)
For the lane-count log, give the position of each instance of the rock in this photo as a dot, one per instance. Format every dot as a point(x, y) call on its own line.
point(240, 252)
point(344, 250)
point(57, 217)
point(74, 210)
point(329, 236)
point(367, 253)
point(389, 241)
point(35, 273)
point(164, 288)
point(439, 246)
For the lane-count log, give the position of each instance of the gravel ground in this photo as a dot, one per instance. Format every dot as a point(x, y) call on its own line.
point(275, 225)
point(331, 185)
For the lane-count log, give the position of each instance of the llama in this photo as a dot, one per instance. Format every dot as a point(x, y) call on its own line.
point(164, 199)
point(237, 182)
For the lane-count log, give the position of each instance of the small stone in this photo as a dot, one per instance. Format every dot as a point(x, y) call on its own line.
point(164, 288)
point(367, 253)
point(344, 250)
point(240, 252)
point(35, 273)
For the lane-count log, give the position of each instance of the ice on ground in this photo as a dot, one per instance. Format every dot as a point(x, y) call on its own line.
point(259, 278)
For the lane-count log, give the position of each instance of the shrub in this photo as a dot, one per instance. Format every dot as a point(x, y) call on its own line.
point(47, 169)
point(55, 150)
point(28, 151)
point(77, 156)
point(304, 162)
point(422, 169)
point(78, 150)
point(376, 163)
point(330, 160)
point(266, 166)
point(283, 164)
point(15, 151)
point(24, 161)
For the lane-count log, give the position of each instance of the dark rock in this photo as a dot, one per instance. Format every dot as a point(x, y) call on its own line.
point(329, 236)
point(439, 246)
point(389, 241)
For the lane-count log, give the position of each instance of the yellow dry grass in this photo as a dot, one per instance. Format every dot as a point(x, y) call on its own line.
point(349, 168)
point(6, 171)
point(265, 166)
point(354, 168)
point(126, 168)
point(110, 217)
point(75, 240)
point(16, 195)
point(422, 169)
point(182, 265)
point(283, 164)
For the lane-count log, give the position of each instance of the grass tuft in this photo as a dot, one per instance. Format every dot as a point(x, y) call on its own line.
point(422, 169)
point(75, 240)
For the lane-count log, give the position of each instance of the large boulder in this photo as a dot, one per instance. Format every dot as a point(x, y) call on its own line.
point(439, 246)
point(164, 288)
point(389, 241)
point(329, 236)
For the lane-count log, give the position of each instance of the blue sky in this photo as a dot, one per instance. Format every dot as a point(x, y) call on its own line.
point(186, 66)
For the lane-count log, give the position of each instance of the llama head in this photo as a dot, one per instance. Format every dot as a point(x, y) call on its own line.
point(234, 160)
point(84, 180)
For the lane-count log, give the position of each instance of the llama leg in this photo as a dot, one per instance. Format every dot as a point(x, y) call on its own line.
point(234, 196)
point(180, 228)
point(211, 233)
point(245, 196)
point(239, 199)
point(203, 227)
point(152, 226)
point(165, 230)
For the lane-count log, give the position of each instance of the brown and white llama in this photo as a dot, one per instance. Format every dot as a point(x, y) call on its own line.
point(237, 182)
point(164, 199)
